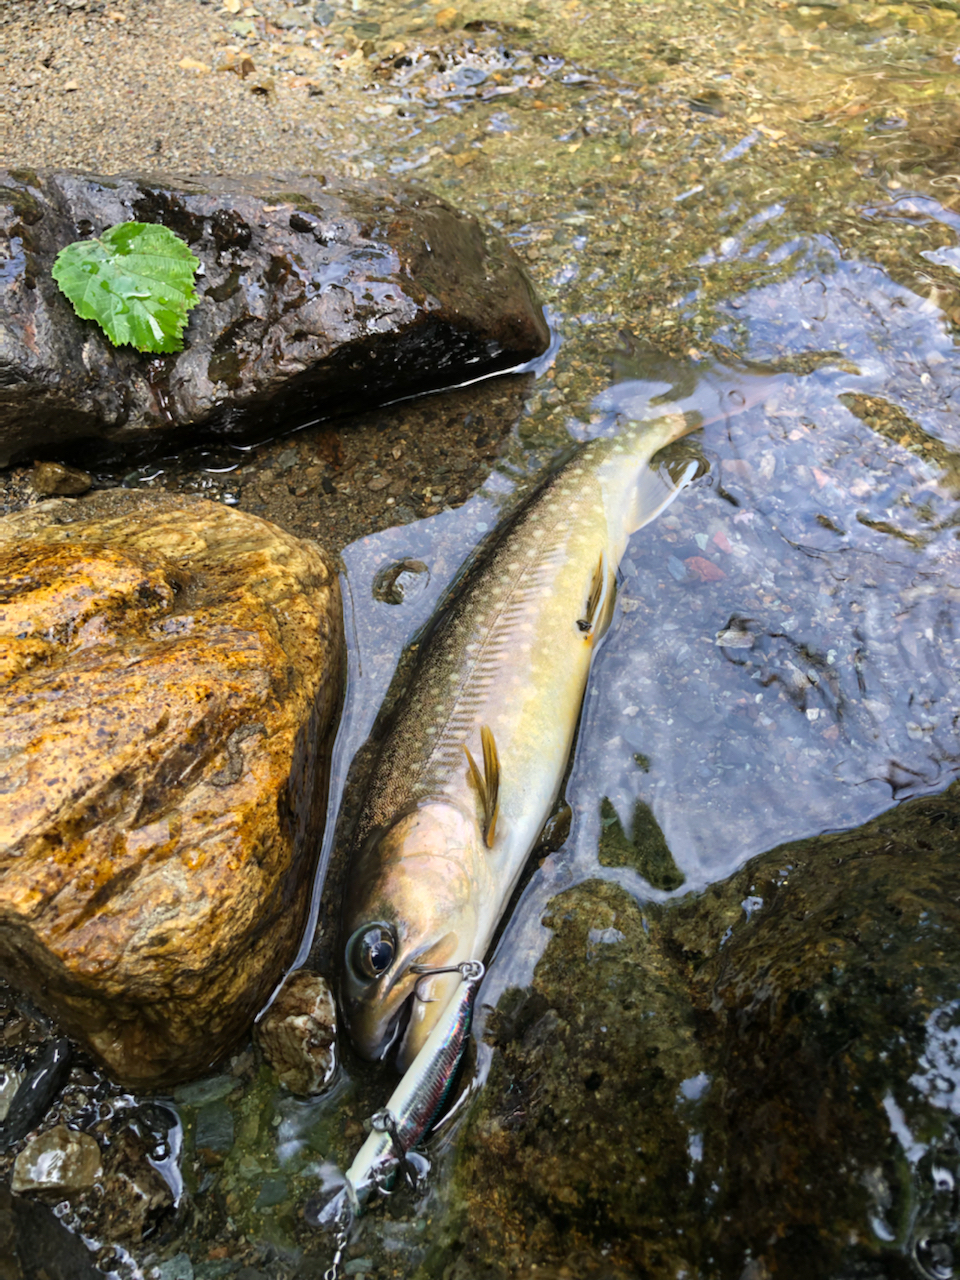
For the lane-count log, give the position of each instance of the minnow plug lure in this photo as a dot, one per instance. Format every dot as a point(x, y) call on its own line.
point(410, 1110)
point(413, 1106)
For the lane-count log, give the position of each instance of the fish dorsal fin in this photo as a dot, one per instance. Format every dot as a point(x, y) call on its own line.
point(487, 783)
point(600, 596)
point(654, 492)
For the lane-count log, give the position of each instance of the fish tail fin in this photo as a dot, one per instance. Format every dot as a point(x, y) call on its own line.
point(653, 493)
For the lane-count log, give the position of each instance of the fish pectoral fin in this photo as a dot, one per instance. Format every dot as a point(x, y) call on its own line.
point(487, 783)
point(600, 598)
point(654, 492)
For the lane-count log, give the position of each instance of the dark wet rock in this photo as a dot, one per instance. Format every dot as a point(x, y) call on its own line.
point(34, 1245)
point(54, 480)
point(576, 1146)
point(172, 678)
point(314, 300)
point(59, 1162)
point(298, 1033)
point(136, 1198)
point(755, 1081)
point(40, 1084)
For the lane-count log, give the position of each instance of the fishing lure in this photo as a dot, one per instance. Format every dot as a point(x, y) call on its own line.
point(412, 1107)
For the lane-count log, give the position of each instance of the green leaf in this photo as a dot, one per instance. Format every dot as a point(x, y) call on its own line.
point(136, 282)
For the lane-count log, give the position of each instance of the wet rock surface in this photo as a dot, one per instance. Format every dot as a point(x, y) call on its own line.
point(32, 1090)
point(756, 1077)
point(298, 1033)
point(315, 298)
point(172, 676)
point(57, 1163)
point(34, 1245)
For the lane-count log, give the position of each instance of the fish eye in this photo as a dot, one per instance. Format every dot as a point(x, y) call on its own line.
point(371, 950)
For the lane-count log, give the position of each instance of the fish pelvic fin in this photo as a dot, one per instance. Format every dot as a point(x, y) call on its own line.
point(600, 598)
point(487, 783)
point(654, 492)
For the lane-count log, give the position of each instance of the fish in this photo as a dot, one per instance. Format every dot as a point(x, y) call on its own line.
point(470, 768)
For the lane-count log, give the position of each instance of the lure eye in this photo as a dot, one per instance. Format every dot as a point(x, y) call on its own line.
point(371, 950)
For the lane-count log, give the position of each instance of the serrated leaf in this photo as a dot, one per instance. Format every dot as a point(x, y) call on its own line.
point(136, 282)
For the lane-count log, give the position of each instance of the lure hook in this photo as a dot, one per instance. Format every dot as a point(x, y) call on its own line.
point(384, 1121)
point(469, 971)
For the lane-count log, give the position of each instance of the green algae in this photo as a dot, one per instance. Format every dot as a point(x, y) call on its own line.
point(643, 847)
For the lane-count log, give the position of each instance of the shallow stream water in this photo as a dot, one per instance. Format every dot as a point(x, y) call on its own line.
point(718, 1034)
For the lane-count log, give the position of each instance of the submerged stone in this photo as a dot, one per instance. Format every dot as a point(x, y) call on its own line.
point(34, 1243)
point(39, 1085)
point(136, 1197)
point(215, 1129)
point(314, 299)
point(53, 480)
point(59, 1161)
point(171, 680)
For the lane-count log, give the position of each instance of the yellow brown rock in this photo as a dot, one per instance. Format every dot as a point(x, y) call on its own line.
point(170, 676)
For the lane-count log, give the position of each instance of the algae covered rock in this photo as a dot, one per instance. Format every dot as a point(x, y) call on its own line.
point(313, 299)
point(171, 676)
point(757, 1080)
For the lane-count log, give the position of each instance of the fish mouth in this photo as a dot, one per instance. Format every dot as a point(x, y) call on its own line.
point(405, 1028)
point(376, 1025)
point(395, 1011)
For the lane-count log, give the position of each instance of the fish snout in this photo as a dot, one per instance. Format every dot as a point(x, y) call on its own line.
point(372, 1027)
point(403, 1002)
point(430, 998)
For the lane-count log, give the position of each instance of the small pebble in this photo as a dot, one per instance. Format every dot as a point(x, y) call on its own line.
point(53, 480)
point(59, 1160)
point(298, 1034)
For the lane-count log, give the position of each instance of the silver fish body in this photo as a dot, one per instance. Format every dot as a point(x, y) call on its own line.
point(441, 840)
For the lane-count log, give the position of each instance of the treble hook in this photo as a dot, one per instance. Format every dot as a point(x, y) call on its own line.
point(469, 971)
point(384, 1121)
